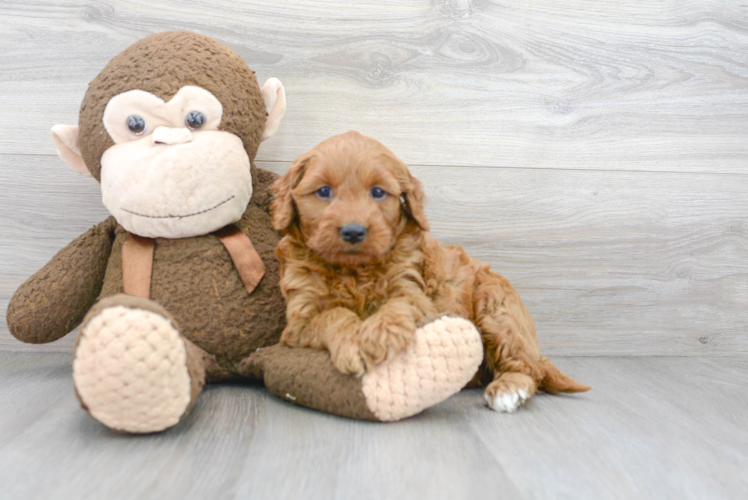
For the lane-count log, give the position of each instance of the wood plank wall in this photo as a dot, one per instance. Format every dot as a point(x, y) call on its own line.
point(594, 152)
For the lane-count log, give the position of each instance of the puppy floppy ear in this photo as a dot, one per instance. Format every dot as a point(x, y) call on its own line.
point(283, 209)
point(413, 200)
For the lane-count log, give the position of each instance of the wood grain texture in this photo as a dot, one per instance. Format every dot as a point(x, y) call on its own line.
point(609, 263)
point(650, 428)
point(593, 152)
point(588, 84)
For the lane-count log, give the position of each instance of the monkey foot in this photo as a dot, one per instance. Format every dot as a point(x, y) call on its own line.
point(131, 368)
point(442, 359)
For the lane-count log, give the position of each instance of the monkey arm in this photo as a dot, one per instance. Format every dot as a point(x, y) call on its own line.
point(54, 300)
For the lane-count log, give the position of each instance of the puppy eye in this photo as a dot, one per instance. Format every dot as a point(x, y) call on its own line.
point(324, 193)
point(378, 193)
point(194, 120)
point(136, 124)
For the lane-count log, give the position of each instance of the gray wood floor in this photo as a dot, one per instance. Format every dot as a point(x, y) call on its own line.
point(654, 428)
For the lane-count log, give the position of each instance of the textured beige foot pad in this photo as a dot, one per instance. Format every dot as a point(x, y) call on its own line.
point(130, 370)
point(443, 358)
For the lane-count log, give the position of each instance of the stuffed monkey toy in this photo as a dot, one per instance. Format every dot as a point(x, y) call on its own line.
point(180, 285)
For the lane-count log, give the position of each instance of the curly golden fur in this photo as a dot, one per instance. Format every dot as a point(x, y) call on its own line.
point(363, 300)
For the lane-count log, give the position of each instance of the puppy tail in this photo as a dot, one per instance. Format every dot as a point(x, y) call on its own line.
point(555, 381)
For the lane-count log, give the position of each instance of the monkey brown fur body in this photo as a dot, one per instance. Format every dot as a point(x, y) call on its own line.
point(180, 286)
point(362, 301)
point(223, 319)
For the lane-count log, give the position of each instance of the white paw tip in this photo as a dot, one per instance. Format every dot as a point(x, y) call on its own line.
point(507, 402)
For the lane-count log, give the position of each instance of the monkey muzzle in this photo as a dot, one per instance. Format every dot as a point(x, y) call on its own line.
point(175, 183)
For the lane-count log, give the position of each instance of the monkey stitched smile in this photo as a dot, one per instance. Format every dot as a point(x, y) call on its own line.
point(180, 216)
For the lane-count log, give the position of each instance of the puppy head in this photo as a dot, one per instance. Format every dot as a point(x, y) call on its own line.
point(349, 199)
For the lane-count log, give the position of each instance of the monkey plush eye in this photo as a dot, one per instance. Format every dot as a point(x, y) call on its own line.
point(136, 124)
point(194, 119)
point(378, 193)
point(324, 193)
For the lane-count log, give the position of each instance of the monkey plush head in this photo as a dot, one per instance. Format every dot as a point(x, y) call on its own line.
point(170, 128)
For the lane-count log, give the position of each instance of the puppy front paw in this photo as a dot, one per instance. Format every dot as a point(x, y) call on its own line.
point(291, 336)
point(346, 356)
point(383, 336)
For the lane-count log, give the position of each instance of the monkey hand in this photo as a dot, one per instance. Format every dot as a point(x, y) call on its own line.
point(54, 301)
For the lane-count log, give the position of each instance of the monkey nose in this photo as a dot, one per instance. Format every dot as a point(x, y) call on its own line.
point(353, 233)
point(171, 136)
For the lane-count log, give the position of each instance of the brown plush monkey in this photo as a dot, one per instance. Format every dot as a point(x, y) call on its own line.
point(183, 271)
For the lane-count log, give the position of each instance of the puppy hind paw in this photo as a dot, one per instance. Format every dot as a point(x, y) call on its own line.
point(509, 392)
point(506, 402)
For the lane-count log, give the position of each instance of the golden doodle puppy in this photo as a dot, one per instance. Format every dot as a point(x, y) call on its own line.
point(360, 272)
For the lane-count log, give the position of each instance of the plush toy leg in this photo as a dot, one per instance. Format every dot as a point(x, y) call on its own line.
point(443, 358)
point(132, 369)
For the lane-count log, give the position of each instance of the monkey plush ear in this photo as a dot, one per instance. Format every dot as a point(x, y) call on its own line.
point(65, 139)
point(275, 104)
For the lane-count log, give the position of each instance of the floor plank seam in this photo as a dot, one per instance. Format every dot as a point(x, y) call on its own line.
point(492, 167)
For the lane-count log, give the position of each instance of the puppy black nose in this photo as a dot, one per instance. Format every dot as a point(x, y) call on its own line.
point(353, 233)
